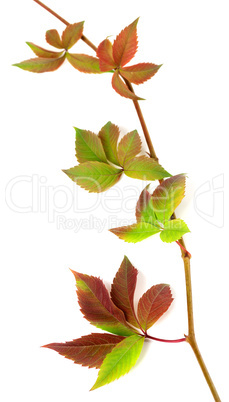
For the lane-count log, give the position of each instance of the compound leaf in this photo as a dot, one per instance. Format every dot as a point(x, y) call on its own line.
point(153, 304)
point(89, 350)
point(98, 308)
point(122, 290)
point(53, 38)
point(139, 73)
point(94, 176)
point(40, 52)
point(129, 146)
point(145, 168)
point(121, 359)
point(105, 55)
point(121, 88)
point(136, 232)
point(125, 44)
point(109, 135)
point(144, 208)
point(167, 196)
point(41, 65)
point(72, 34)
point(173, 230)
point(89, 147)
point(84, 63)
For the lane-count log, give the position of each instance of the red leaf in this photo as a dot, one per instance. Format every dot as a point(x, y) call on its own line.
point(125, 45)
point(105, 55)
point(89, 350)
point(98, 308)
point(40, 52)
point(153, 304)
point(53, 38)
point(139, 73)
point(41, 65)
point(72, 34)
point(122, 290)
point(84, 63)
point(121, 88)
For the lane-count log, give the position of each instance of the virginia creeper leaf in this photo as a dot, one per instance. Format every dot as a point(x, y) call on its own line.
point(144, 208)
point(105, 55)
point(84, 63)
point(145, 168)
point(109, 135)
point(89, 147)
point(89, 350)
point(98, 308)
point(121, 88)
point(94, 176)
point(167, 196)
point(40, 52)
point(72, 34)
point(173, 230)
point(136, 232)
point(129, 146)
point(41, 65)
point(125, 44)
point(122, 290)
point(53, 38)
point(139, 73)
point(120, 360)
point(153, 304)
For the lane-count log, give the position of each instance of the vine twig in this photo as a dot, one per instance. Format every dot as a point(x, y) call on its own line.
point(190, 338)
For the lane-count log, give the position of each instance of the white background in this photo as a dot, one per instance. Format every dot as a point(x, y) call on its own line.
point(187, 114)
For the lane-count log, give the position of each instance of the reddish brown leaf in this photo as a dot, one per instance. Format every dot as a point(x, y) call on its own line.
point(84, 63)
point(105, 55)
point(53, 38)
point(89, 350)
point(121, 88)
point(125, 45)
point(122, 290)
point(98, 308)
point(40, 52)
point(41, 65)
point(153, 304)
point(139, 73)
point(72, 34)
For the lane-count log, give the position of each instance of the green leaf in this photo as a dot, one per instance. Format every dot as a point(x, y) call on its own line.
point(126, 44)
point(98, 308)
point(167, 196)
point(105, 55)
point(121, 88)
point(144, 208)
point(84, 63)
point(145, 168)
point(94, 176)
point(40, 52)
point(72, 34)
point(139, 73)
point(40, 65)
point(173, 230)
point(89, 350)
point(123, 288)
point(109, 135)
point(129, 146)
point(53, 38)
point(89, 147)
point(136, 232)
point(119, 362)
point(153, 304)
